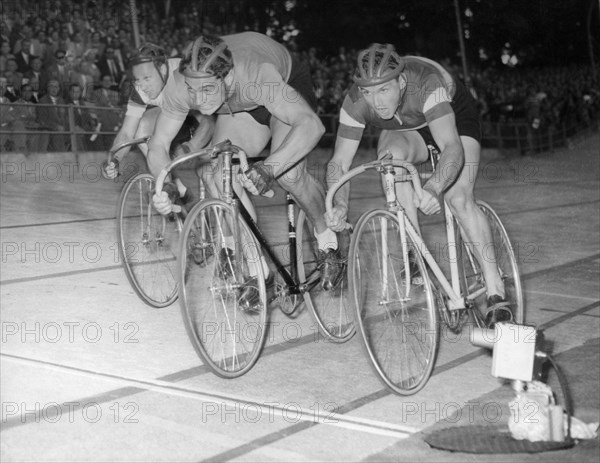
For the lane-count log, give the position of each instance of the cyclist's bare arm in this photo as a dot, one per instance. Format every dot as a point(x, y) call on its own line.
point(204, 132)
point(452, 159)
point(304, 135)
point(126, 133)
point(158, 156)
point(158, 148)
point(343, 155)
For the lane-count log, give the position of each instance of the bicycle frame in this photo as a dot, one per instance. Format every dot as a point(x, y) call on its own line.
point(226, 150)
point(386, 169)
point(289, 277)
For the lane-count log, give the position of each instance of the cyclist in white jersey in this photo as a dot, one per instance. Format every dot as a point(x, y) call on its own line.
point(152, 71)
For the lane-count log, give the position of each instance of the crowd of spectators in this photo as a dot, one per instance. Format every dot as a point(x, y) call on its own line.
point(76, 53)
point(554, 96)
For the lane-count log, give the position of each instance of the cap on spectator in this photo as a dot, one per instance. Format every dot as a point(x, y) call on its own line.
point(60, 53)
point(53, 83)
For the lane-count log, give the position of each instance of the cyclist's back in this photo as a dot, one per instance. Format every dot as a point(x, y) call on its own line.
point(262, 67)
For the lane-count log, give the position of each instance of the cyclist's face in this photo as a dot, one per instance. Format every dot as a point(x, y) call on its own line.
point(207, 95)
point(147, 79)
point(383, 98)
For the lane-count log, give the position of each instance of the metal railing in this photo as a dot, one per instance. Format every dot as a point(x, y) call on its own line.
point(514, 136)
point(507, 136)
point(60, 127)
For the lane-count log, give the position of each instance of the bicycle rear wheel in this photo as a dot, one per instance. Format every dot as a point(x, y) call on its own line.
point(395, 315)
point(227, 336)
point(501, 251)
point(147, 243)
point(330, 309)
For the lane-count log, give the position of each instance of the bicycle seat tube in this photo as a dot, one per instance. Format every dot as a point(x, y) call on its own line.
point(389, 174)
point(227, 176)
point(228, 197)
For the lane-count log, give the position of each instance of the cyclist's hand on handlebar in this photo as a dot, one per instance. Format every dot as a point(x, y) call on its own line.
point(336, 220)
point(429, 202)
point(162, 201)
point(110, 170)
point(258, 179)
point(247, 183)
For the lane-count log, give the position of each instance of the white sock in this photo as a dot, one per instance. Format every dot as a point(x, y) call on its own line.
point(326, 240)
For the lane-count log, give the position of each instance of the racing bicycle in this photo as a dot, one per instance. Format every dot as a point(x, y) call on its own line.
point(398, 290)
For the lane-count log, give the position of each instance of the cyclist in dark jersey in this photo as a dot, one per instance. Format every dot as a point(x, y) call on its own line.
point(259, 93)
point(419, 106)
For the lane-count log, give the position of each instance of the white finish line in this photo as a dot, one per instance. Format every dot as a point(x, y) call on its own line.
point(315, 416)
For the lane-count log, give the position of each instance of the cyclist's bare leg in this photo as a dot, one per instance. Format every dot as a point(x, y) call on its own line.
point(243, 130)
point(404, 146)
point(310, 196)
point(461, 201)
point(306, 190)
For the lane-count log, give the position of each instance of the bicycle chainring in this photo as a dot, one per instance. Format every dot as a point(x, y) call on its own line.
point(454, 319)
point(288, 303)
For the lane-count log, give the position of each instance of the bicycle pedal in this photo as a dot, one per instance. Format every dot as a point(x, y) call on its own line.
point(417, 281)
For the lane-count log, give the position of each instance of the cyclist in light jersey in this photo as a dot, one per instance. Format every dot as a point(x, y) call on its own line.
point(152, 71)
point(259, 93)
point(419, 106)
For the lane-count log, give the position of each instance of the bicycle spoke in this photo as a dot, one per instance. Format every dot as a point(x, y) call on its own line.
point(227, 339)
point(396, 318)
point(330, 308)
point(147, 243)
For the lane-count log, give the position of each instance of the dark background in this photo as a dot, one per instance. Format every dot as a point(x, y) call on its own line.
point(540, 32)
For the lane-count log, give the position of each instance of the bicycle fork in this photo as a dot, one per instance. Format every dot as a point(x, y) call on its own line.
point(393, 206)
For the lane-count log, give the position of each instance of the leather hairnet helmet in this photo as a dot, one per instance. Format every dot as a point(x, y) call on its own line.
point(208, 56)
point(149, 53)
point(377, 64)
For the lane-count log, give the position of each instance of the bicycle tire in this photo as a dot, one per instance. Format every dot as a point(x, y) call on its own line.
point(228, 339)
point(330, 309)
point(502, 251)
point(399, 330)
point(147, 243)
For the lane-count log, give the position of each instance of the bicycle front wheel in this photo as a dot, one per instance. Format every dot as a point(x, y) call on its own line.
point(395, 312)
point(227, 333)
point(330, 308)
point(499, 251)
point(147, 243)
